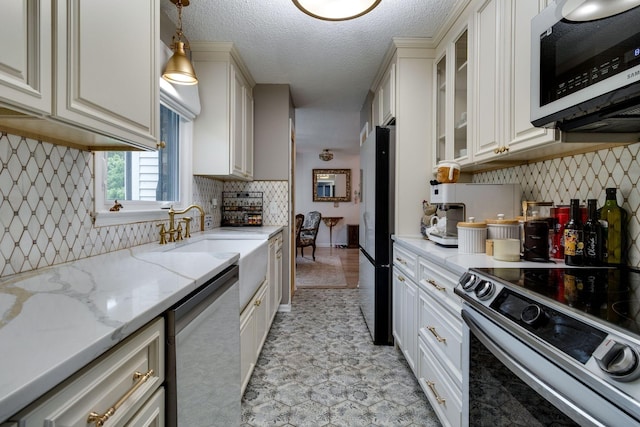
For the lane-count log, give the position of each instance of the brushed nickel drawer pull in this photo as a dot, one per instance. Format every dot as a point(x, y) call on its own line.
point(99, 420)
point(432, 386)
point(435, 334)
point(435, 285)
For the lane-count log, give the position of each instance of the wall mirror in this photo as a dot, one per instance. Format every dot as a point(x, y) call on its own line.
point(332, 185)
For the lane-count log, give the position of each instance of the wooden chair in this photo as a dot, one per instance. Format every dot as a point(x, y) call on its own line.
point(299, 221)
point(308, 232)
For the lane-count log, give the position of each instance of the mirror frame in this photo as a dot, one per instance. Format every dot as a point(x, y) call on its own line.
point(317, 198)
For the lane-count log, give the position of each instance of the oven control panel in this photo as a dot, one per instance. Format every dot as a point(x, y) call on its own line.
point(478, 288)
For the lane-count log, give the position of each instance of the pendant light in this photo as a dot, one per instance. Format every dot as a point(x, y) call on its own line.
point(179, 69)
point(336, 10)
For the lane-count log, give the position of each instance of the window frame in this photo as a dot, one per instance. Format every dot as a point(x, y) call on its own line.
point(140, 210)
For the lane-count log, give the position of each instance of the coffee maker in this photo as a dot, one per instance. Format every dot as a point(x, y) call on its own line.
point(458, 201)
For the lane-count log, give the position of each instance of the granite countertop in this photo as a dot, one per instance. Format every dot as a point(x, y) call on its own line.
point(55, 320)
point(451, 259)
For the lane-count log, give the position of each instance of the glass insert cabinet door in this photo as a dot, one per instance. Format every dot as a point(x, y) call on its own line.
point(451, 76)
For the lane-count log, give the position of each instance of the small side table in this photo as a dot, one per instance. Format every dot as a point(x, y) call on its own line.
point(330, 221)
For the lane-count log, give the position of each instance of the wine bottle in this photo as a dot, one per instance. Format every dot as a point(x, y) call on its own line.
point(573, 236)
point(614, 220)
point(592, 236)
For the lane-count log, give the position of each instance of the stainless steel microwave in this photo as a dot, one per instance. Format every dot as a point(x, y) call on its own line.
point(585, 66)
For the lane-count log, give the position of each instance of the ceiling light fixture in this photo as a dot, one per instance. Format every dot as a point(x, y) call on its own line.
point(326, 155)
point(591, 10)
point(179, 69)
point(336, 10)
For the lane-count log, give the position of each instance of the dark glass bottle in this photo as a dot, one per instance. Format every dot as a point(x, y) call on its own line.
point(592, 236)
point(573, 236)
point(614, 221)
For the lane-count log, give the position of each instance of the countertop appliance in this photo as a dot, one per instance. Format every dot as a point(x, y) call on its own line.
point(585, 67)
point(565, 340)
point(376, 227)
point(457, 202)
point(203, 355)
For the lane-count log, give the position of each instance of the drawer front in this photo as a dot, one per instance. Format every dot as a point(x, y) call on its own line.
point(152, 413)
point(443, 334)
point(440, 283)
point(405, 261)
point(444, 396)
point(97, 387)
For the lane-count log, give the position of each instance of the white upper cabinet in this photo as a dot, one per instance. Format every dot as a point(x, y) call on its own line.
point(101, 81)
point(502, 58)
point(388, 95)
point(106, 64)
point(25, 55)
point(452, 99)
point(487, 28)
point(521, 134)
point(223, 132)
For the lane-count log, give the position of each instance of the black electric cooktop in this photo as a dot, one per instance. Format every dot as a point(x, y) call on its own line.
point(610, 295)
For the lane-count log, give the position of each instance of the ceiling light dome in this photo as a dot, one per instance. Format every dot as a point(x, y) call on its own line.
point(336, 10)
point(326, 155)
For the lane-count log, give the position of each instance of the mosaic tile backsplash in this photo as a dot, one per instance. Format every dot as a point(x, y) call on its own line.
point(47, 196)
point(584, 176)
point(46, 201)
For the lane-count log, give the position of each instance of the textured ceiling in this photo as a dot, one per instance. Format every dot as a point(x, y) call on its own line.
point(329, 66)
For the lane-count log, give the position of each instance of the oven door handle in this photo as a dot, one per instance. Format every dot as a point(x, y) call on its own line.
point(547, 382)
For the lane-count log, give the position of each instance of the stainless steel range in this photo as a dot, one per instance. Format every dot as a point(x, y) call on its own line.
point(552, 346)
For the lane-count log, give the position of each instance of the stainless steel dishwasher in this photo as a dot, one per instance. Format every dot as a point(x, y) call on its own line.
point(203, 355)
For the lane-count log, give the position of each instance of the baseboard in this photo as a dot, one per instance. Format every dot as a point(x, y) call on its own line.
point(284, 308)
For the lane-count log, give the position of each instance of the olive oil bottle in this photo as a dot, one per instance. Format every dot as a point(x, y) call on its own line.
point(592, 236)
point(614, 223)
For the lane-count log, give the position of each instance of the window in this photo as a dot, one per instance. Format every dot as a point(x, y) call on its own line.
point(146, 181)
point(148, 175)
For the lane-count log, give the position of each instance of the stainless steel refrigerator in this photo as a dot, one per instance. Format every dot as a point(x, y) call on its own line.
point(376, 227)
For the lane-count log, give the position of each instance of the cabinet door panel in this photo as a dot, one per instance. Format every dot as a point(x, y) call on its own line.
point(237, 99)
point(248, 133)
point(388, 95)
point(247, 344)
point(397, 297)
point(109, 74)
point(25, 55)
point(410, 315)
point(487, 79)
point(522, 134)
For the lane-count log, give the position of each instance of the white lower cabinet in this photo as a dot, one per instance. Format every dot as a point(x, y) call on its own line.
point(123, 386)
point(275, 273)
point(405, 297)
point(427, 326)
point(254, 326)
point(152, 413)
point(444, 396)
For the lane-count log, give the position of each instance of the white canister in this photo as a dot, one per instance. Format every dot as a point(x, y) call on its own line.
point(501, 228)
point(472, 236)
point(506, 249)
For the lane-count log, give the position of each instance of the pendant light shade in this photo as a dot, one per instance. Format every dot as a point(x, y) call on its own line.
point(179, 69)
point(336, 10)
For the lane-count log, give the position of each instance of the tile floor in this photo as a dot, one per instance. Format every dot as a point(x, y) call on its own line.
point(318, 367)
